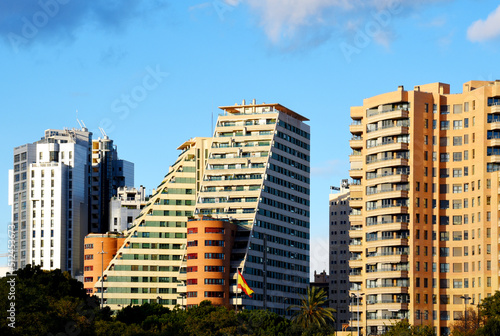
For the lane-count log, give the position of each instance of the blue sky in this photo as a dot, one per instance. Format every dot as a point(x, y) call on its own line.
point(152, 73)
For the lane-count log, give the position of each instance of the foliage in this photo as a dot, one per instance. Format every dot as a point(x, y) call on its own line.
point(46, 302)
point(466, 327)
point(311, 311)
point(52, 303)
point(491, 327)
point(404, 328)
point(490, 306)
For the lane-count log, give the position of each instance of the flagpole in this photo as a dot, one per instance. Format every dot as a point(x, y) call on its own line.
point(237, 281)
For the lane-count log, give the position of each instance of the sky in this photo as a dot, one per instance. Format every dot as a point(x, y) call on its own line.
point(153, 73)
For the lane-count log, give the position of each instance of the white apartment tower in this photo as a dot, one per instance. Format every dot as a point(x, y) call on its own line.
point(257, 173)
point(50, 200)
point(54, 186)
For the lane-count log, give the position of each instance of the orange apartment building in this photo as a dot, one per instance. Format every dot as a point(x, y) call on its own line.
point(209, 245)
point(94, 243)
point(425, 205)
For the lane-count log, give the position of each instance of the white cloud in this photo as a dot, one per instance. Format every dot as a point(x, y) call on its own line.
point(487, 29)
point(283, 18)
point(300, 22)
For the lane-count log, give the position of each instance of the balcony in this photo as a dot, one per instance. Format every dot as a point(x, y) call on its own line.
point(386, 258)
point(386, 226)
point(356, 173)
point(356, 248)
point(387, 162)
point(356, 143)
point(396, 241)
point(386, 274)
point(387, 178)
point(494, 142)
point(376, 115)
point(494, 158)
point(495, 109)
point(356, 263)
point(353, 234)
point(387, 131)
point(356, 203)
point(387, 289)
point(384, 194)
point(494, 125)
point(356, 128)
point(355, 188)
point(388, 210)
point(355, 220)
point(387, 146)
point(355, 278)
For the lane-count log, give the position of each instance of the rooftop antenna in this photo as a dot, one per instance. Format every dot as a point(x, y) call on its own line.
point(84, 124)
point(103, 133)
point(78, 121)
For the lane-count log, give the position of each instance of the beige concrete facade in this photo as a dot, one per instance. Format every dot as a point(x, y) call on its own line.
point(425, 208)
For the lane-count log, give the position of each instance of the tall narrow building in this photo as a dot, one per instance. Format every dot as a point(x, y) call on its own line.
point(339, 254)
point(108, 174)
point(424, 197)
point(258, 174)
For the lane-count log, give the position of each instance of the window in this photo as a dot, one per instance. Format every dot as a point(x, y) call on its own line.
point(444, 268)
point(457, 141)
point(443, 141)
point(214, 255)
point(457, 156)
point(444, 125)
point(457, 124)
point(444, 157)
point(214, 230)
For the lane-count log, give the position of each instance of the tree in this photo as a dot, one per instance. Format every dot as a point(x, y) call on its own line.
point(490, 306)
point(46, 302)
point(404, 328)
point(466, 327)
point(311, 311)
point(491, 327)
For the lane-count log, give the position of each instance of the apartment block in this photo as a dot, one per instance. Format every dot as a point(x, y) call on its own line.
point(50, 200)
point(257, 173)
point(249, 184)
point(424, 199)
point(125, 207)
point(339, 211)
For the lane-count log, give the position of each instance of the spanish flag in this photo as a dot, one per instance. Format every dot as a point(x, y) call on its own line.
point(242, 284)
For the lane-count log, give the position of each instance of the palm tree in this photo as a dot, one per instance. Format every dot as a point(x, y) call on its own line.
point(311, 311)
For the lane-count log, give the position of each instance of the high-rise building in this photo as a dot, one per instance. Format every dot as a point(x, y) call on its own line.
point(253, 173)
point(339, 211)
point(53, 193)
point(125, 207)
point(108, 174)
point(258, 174)
point(424, 204)
point(50, 200)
